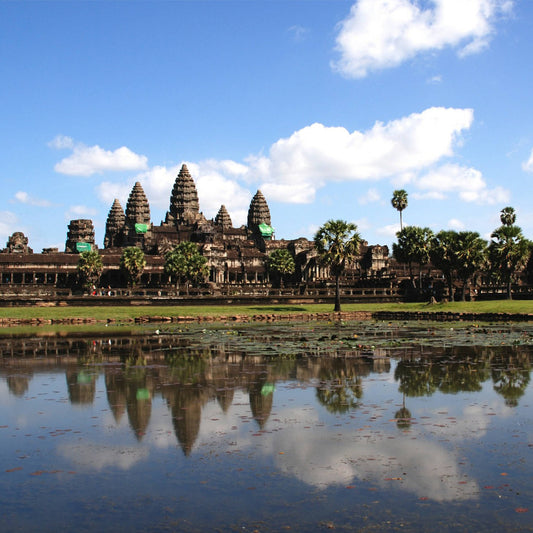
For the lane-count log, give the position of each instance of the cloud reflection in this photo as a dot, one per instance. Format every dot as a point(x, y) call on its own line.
point(97, 457)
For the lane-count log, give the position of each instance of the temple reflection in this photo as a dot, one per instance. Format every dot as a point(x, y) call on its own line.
point(188, 370)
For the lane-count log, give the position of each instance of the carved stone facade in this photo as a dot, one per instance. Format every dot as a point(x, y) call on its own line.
point(17, 244)
point(80, 236)
point(234, 255)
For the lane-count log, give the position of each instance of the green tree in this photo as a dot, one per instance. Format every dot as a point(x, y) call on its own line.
point(413, 246)
point(471, 255)
point(90, 268)
point(132, 263)
point(281, 263)
point(444, 256)
point(185, 263)
point(508, 251)
point(399, 202)
point(508, 216)
point(337, 243)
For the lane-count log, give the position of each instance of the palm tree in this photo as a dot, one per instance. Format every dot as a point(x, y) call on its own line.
point(399, 202)
point(444, 256)
point(470, 256)
point(132, 263)
point(337, 244)
point(509, 250)
point(414, 246)
point(508, 216)
point(90, 267)
point(186, 262)
point(281, 263)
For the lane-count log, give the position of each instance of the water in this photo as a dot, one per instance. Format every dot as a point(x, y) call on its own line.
point(293, 427)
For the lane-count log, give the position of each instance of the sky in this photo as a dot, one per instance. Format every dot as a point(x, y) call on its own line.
point(326, 107)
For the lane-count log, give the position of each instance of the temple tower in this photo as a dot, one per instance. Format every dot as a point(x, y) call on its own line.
point(137, 226)
point(80, 236)
point(184, 205)
point(223, 219)
point(259, 219)
point(114, 226)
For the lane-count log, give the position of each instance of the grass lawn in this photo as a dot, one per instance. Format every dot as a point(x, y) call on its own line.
point(129, 312)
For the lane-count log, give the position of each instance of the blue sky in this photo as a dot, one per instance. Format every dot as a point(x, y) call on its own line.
point(325, 106)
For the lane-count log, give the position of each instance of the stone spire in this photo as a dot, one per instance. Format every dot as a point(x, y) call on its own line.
point(137, 208)
point(223, 219)
point(184, 206)
point(258, 212)
point(80, 236)
point(114, 225)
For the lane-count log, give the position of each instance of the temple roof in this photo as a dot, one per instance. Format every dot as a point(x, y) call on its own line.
point(223, 219)
point(258, 212)
point(184, 205)
point(137, 208)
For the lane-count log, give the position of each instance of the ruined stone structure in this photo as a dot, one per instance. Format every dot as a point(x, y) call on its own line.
point(235, 256)
point(80, 236)
point(17, 244)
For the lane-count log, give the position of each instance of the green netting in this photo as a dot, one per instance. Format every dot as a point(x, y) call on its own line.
point(141, 228)
point(83, 246)
point(266, 230)
point(142, 394)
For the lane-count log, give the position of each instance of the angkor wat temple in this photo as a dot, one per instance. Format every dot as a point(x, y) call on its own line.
point(236, 256)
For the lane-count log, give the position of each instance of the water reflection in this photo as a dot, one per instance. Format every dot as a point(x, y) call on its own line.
point(391, 423)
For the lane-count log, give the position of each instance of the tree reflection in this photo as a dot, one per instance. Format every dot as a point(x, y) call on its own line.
point(512, 377)
point(340, 386)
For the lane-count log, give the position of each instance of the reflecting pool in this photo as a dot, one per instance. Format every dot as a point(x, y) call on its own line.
point(268, 427)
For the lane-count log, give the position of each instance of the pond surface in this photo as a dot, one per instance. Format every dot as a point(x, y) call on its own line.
point(268, 427)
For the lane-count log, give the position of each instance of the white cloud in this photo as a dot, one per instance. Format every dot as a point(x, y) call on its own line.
point(380, 34)
point(371, 196)
point(80, 211)
point(388, 231)
point(297, 166)
point(89, 160)
point(299, 33)
point(456, 224)
point(528, 165)
point(434, 80)
point(24, 198)
point(61, 142)
point(215, 182)
point(467, 182)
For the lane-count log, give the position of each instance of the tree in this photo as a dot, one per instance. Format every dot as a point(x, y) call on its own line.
point(471, 254)
point(508, 251)
point(90, 268)
point(444, 256)
point(413, 246)
point(337, 244)
point(132, 263)
point(281, 263)
point(185, 262)
point(399, 202)
point(508, 216)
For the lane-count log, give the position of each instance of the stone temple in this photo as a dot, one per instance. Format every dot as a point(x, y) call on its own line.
point(235, 255)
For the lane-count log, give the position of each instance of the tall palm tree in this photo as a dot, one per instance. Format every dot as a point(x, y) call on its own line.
point(337, 243)
point(399, 202)
point(471, 253)
point(509, 250)
point(444, 256)
point(508, 216)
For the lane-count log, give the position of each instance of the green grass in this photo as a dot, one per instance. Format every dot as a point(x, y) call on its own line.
point(129, 312)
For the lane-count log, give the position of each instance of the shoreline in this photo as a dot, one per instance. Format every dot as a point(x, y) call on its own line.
point(435, 316)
